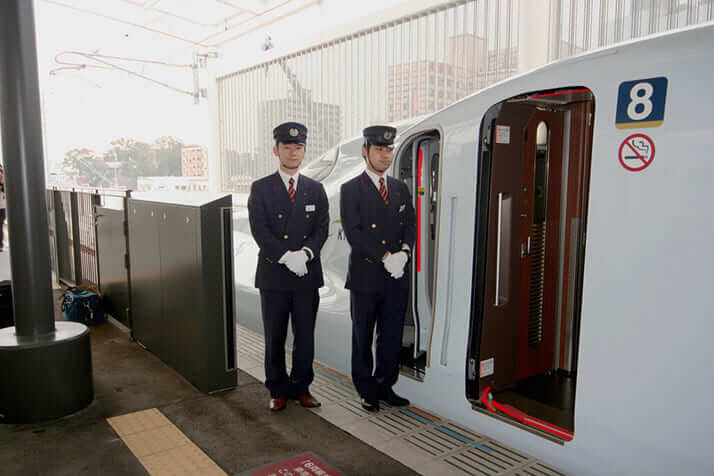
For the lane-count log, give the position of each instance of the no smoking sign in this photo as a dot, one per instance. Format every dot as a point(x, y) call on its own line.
point(637, 152)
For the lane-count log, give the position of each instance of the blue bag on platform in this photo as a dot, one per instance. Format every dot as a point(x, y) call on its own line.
point(82, 306)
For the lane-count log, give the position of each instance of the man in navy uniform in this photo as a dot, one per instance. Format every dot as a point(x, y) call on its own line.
point(379, 222)
point(289, 218)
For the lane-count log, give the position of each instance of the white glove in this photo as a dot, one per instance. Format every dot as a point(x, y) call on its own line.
point(388, 263)
point(400, 260)
point(295, 262)
point(394, 264)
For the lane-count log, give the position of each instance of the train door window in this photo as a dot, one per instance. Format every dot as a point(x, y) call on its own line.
point(535, 158)
point(418, 167)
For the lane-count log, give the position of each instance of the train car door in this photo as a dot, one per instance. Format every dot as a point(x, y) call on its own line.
point(529, 248)
point(419, 169)
point(426, 186)
point(497, 360)
point(539, 220)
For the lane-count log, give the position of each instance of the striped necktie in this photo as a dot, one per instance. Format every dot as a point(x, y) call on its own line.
point(291, 189)
point(383, 191)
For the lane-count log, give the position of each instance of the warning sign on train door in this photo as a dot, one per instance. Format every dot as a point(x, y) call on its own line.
point(637, 152)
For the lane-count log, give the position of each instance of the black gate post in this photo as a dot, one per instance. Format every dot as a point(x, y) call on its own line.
point(61, 237)
point(96, 200)
point(76, 237)
point(127, 196)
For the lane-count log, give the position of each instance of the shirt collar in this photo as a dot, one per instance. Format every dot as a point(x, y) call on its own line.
point(375, 178)
point(287, 177)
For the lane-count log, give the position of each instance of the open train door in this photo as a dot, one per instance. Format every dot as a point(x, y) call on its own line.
point(419, 169)
point(529, 248)
point(538, 239)
point(501, 307)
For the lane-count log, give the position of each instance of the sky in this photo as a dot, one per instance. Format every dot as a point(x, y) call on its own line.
point(90, 107)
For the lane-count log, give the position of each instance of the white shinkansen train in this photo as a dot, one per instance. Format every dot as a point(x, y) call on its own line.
point(561, 293)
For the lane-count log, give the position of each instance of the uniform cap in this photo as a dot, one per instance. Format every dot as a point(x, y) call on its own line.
point(290, 133)
point(380, 135)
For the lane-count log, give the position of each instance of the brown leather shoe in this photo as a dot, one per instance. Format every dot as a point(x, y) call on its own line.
point(309, 401)
point(277, 404)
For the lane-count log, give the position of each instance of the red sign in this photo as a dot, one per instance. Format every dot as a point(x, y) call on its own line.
point(637, 152)
point(303, 465)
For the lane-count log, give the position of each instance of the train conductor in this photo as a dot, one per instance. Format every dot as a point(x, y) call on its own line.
point(379, 222)
point(289, 218)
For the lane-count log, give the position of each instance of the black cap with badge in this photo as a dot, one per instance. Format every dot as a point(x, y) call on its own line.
point(380, 135)
point(290, 133)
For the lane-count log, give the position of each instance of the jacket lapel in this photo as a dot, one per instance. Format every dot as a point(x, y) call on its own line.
point(395, 198)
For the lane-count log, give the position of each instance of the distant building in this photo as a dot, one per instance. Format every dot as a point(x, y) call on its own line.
point(240, 169)
point(61, 179)
point(194, 161)
point(323, 121)
point(425, 86)
point(172, 184)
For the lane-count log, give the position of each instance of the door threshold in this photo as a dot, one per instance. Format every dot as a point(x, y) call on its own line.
point(478, 406)
point(412, 373)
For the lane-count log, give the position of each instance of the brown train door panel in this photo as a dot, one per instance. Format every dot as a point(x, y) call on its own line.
point(497, 352)
point(539, 243)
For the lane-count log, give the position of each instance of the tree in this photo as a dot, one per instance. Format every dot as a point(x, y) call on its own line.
point(86, 163)
point(168, 155)
point(126, 160)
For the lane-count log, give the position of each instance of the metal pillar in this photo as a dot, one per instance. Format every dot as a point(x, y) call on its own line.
point(45, 366)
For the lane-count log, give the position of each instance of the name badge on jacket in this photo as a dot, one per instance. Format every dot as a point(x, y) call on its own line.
point(309, 208)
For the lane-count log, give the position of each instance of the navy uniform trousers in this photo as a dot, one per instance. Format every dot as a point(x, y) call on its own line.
point(384, 310)
point(279, 225)
point(300, 307)
point(376, 299)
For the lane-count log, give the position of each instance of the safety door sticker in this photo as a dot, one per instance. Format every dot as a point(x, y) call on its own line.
point(637, 152)
point(503, 134)
point(486, 368)
point(641, 103)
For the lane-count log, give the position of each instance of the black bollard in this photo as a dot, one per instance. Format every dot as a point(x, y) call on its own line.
point(45, 366)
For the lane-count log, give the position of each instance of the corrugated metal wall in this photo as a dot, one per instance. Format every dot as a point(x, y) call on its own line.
point(413, 66)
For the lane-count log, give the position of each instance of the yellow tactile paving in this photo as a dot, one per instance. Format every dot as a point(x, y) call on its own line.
point(160, 446)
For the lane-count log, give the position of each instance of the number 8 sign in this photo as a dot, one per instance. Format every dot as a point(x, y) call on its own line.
point(641, 103)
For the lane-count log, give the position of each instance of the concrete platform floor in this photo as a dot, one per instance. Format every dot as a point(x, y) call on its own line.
point(234, 428)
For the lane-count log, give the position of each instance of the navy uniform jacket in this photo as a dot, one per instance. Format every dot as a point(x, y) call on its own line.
point(372, 228)
point(279, 225)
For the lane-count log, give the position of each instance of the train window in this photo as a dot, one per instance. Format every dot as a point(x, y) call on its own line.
point(528, 264)
point(541, 174)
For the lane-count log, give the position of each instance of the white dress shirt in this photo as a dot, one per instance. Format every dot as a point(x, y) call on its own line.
point(375, 179)
point(286, 178)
